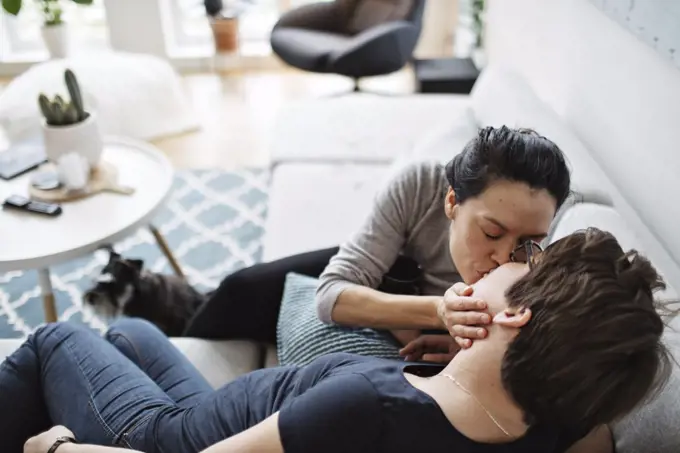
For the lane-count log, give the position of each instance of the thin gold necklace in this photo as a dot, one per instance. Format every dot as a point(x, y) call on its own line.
point(452, 379)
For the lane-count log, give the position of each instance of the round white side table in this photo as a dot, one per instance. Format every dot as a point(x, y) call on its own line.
point(32, 241)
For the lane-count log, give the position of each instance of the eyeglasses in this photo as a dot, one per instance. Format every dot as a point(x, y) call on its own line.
point(526, 253)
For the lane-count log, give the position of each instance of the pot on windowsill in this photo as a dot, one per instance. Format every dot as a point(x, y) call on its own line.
point(225, 33)
point(56, 39)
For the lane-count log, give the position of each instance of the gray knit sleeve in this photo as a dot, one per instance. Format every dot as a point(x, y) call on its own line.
point(371, 252)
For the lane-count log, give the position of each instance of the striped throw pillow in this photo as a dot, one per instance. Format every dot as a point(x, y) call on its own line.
point(302, 337)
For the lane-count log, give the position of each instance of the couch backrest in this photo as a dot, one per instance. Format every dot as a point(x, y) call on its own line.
point(619, 102)
point(619, 97)
point(653, 427)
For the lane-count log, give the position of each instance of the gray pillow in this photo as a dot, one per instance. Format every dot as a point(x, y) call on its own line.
point(655, 427)
point(302, 337)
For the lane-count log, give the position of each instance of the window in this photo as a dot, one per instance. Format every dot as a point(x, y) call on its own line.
point(190, 32)
point(21, 37)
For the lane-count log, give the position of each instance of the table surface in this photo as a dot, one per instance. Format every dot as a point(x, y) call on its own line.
point(32, 241)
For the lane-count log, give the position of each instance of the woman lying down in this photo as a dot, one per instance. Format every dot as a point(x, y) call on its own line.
point(575, 344)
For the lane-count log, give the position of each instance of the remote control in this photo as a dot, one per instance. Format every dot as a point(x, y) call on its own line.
point(25, 204)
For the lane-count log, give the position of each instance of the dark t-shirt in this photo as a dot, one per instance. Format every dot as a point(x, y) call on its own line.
point(349, 403)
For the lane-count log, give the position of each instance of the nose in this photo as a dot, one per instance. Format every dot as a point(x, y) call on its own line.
point(501, 253)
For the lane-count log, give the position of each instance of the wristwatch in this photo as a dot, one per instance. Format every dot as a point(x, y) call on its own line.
point(60, 441)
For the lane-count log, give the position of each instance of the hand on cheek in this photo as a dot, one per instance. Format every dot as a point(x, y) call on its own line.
point(463, 315)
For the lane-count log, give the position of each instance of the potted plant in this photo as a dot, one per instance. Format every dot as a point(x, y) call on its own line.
point(68, 127)
point(224, 26)
point(54, 30)
point(478, 22)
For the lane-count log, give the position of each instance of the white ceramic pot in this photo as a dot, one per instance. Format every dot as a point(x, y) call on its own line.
point(83, 138)
point(56, 40)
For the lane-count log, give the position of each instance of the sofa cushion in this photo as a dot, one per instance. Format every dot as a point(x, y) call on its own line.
point(583, 215)
point(302, 337)
point(271, 357)
point(500, 97)
point(358, 127)
point(446, 139)
point(441, 142)
point(219, 361)
point(314, 206)
point(8, 346)
point(653, 427)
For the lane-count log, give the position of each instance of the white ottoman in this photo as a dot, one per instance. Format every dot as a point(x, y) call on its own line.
point(135, 95)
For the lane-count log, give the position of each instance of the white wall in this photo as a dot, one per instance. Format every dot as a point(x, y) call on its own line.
point(620, 97)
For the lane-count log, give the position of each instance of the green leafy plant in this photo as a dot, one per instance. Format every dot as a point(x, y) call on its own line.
point(57, 111)
point(51, 9)
point(478, 22)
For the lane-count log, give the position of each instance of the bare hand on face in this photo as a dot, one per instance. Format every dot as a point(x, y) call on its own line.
point(463, 315)
point(43, 442)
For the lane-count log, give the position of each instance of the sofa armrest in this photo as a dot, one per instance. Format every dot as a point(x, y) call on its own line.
point(315, 16)
point(384, 48)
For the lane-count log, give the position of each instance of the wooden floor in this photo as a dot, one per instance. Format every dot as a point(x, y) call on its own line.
point(237, 112)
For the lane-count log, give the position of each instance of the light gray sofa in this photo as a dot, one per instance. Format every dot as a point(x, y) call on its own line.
point(343, 148)
point(308, 174)
point(372, 137)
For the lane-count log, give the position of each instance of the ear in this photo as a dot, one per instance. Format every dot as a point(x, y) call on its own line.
point(137, 265)
point(511, 317)
point(113, 256)
point(450, 206)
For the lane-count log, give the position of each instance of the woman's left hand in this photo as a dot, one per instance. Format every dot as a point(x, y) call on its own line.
point(430, 348)
point(43, 442)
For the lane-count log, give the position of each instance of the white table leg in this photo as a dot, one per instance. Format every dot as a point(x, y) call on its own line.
point(163, 244)
point(49, 306)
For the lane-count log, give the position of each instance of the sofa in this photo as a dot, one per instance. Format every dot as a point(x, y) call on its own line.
point(332, 155)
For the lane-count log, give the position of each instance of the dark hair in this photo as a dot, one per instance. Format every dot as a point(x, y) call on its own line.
point(592, 350)
point(520, 155)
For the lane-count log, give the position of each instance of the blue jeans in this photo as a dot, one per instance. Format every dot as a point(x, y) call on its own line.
point(130, 389)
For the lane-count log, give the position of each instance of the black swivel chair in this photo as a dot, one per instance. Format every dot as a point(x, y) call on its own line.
point(354, 38)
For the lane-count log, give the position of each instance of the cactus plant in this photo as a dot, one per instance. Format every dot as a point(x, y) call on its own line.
point(58, 112)
point(74, 92)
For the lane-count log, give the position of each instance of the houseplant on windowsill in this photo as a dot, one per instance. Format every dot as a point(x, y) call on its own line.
point(224, 24)
point(54, 30)
point(68, 127)
point(478, 24)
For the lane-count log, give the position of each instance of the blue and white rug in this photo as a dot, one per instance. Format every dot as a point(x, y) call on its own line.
point(213, 222)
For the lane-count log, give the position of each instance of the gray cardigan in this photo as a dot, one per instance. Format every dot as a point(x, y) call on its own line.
point(407, 217)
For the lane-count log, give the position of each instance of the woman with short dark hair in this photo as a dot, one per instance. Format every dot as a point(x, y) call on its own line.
point(575, 344)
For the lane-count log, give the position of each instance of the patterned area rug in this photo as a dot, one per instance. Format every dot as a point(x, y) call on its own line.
point(213, 222)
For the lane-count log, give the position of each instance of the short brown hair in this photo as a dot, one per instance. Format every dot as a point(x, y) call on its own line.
point(592, 350)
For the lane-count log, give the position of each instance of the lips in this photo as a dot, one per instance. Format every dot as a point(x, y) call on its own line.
point(482, 274)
